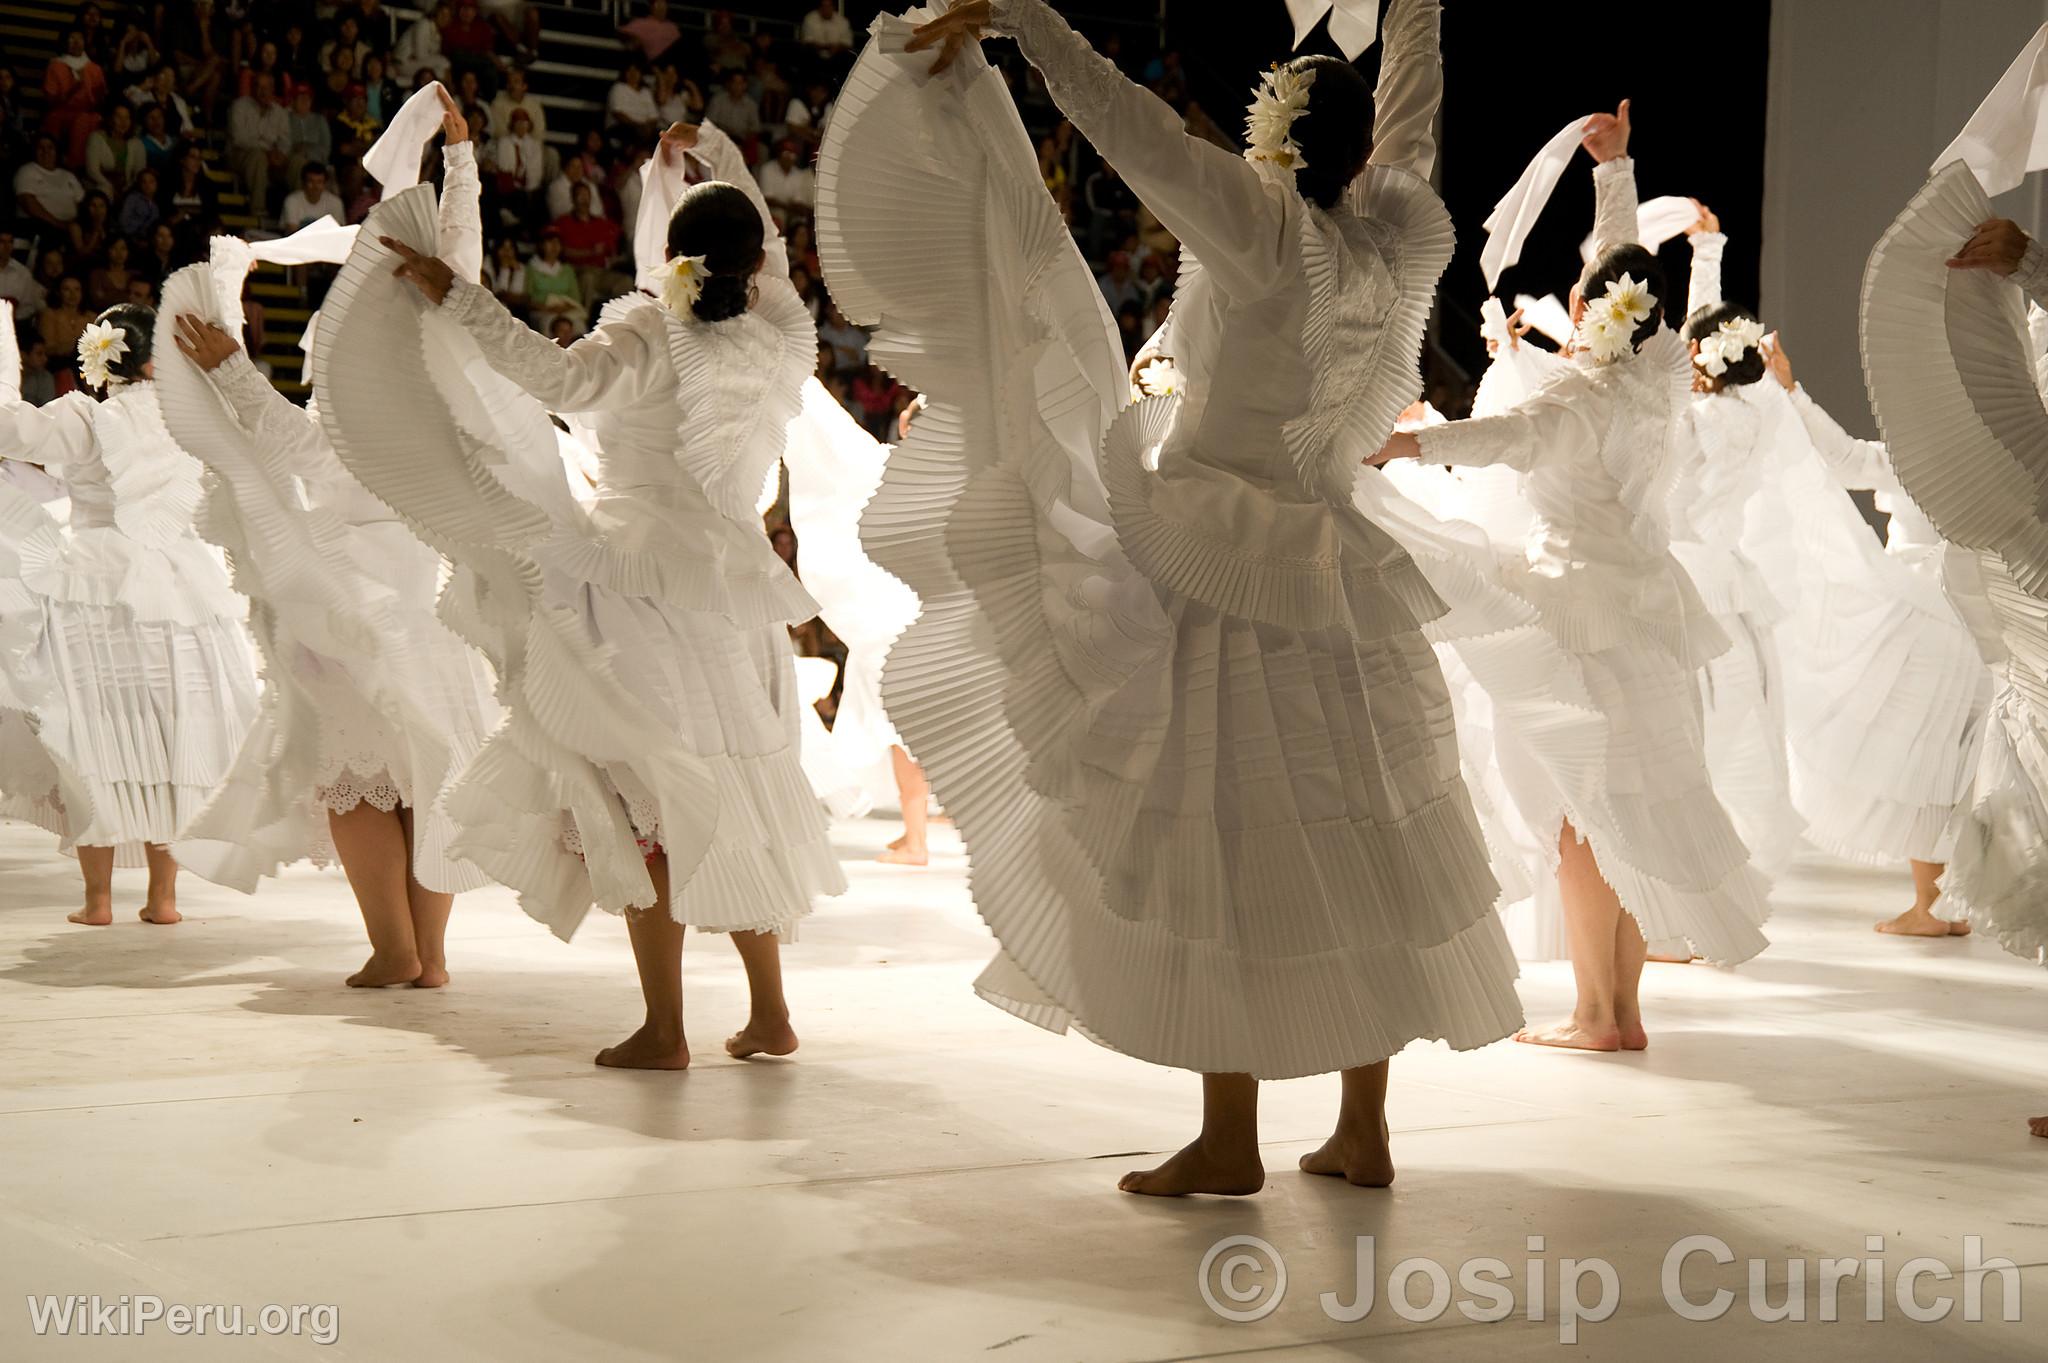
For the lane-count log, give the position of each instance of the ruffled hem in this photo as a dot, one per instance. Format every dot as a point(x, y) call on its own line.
point(674, 574)
point(1997, 878)
point(180, 583)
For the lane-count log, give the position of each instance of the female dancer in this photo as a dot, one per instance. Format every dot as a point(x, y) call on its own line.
point(671, 576)
point(1721, 473)
point(373, 705)
point(148, 684)
point(1599, 738)
point(1181, 710)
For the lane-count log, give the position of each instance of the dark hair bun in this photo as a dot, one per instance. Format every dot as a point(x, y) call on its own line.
point(1335, 134)
point(137, 324)
point(1705, 321)
point(1638, 264)
point(719, 222)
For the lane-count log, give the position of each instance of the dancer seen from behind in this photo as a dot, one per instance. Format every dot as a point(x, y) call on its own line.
point(1597, 726)
point(1180, 710)
point(689, 395)
point(130, 658)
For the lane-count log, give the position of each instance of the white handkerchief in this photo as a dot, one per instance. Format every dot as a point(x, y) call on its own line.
point(1515, 215)
point(1658, 220)
point(1354, 24)
point(1546, 315)
point(393, 160)
point(2008, 135)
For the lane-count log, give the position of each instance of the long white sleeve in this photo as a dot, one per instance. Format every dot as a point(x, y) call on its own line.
point(1551, 420)
point(1704, 289)
point(267, 415)
point(2032, 274)
point(1410, 89)
point(612, 366)
point(1243, 230)
point(1615, 205)
point(1855, 463)
point(55, 434)
point(461, 233)
point(723, 158)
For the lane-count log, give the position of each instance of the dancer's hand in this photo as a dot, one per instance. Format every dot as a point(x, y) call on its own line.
point(1996, 246)
point(951, 32)
point(454, 127)
point(1606, 136)
point(1708, 220)
point(203, 343)
point(430, 275)
point(679, 137)
point(1400, 445)
point(1517, 329)
point(1778, 362)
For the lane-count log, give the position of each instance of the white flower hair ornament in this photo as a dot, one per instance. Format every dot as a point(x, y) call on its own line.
point(1158, 378)
point(682, 282)
point(1281, 97)
point(99, 346)
point(1727, 344)
point(1607, 329)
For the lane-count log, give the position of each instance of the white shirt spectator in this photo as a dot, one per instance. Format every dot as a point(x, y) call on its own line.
point(18, 286)
point(819, 31)
point(508, 279)
point(739, 117)
point(797, 185)
point(300, 210)
point(800, 115)
point(256, 126)
point(522, 158)
point(419, 49)
point(503, 105)
point(628, 105)
point(674, 109)
point(562, 197)
point(56, 189)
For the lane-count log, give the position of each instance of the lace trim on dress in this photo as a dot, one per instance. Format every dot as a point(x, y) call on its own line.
point(1084, 81)
point(348, 790)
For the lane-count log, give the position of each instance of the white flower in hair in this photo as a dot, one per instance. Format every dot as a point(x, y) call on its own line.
point(1630, 299)
point(682, 282)
point(1281, 97)
point(1727, 344)
point(1608, 328)
point(1159, 378)
point(99, 346)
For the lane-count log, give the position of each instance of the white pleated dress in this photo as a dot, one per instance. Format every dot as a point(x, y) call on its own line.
point(127, 641)
point(1172, 687)
point(643, 644)
point(1597, 718)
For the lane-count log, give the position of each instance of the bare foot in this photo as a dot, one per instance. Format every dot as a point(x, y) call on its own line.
point(761, 1038)
point(903, 856)
point(1630, 1026)
point(896, 844)
point(161, 914)
point(92, 915)
point(379, 973)
point(431, 976)
point(1671, 960)
point(1571, 1035)
point(1915, 922)
point(1959, 928)
point(2038, 1125)
point(1364, 1161)
point(1196, 1170)
point(647, 1049)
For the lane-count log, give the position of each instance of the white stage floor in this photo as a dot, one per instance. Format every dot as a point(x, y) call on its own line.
point(204, 1114)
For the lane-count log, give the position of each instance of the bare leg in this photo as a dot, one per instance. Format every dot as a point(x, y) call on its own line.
point(371, 845)
point(1592, 921)
point(914, 793)
point(96, 864)
point(1919, 921)
point(1630, 951)
point(161, 905)
point(767, 1031)
point(1224, 1158)
point(658, 952)
point(429, 910)
point(1361, 1151)
point(2038, 1125)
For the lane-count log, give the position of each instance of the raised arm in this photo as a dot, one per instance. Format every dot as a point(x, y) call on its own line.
point(1410, 89)
point(461, 227)
point(1615, 219)
point(272, 419)
point(1704, 290)
point(722, 157)
point(1244, 232)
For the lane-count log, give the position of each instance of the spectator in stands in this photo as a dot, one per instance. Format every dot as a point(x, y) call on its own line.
point(113, 153)
point(381, 93)
point(849, 343)
point(805, 117)
point(108, 284)
point(676, 100)
point(348, 36)
point(789, 187)
point(734, 109)
point(135, 56)
point(802, 248)
point(74, 88)
point(826, 31)
point(161, 91)
point(506, 276)
point(520, 163)
point(807, 291)
point(159, 146)
point(142, 292)
point(771, 90)
point(518, 23)
point(471, 44)
point(515, 95)
point(91, 228)
point(136, 212)
point(312, 138)
point(1118, 283)
point(298, 55)
point(160, 257)
point(51, 267)
point(630, 111)
point(44, 190)
point(724, 49)
point(190, 202)
point(562, 190)
point(17, 282)
point(311, 200)
point(875, 393)
point(1130, 323)
point(259, 141)
point(99, 39)
point(268, 59)
point(654, 33)
point(38, 385)
point(589, 243)
point(552, 291)
point(358, 129)
point(189, 37)
point(64, 321)
point(420, 49)
point(1112, 209)
point(337, 79)
point(563, 332)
